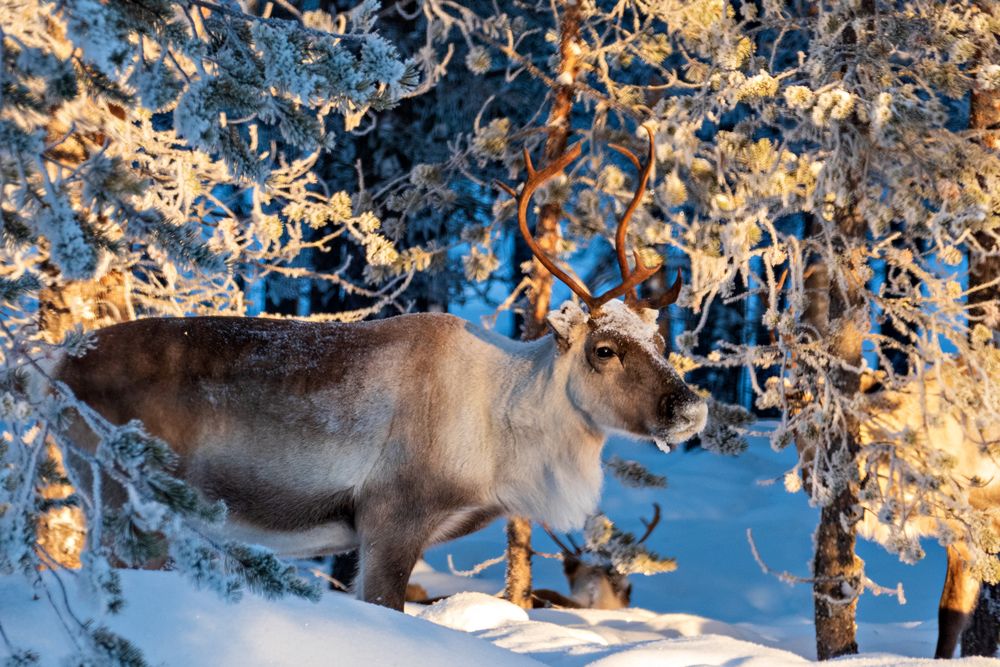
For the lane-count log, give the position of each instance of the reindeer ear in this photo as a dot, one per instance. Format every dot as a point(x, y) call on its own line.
point(570, 564)
point(562, 322)
point(649, 315)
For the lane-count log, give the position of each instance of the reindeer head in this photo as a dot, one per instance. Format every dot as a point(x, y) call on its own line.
point(617, 375)
point(598, 585)
point(592, 586)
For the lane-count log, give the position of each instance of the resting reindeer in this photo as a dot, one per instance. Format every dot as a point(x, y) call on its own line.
point(592, 585)
point(928, 416)
point(392, 435)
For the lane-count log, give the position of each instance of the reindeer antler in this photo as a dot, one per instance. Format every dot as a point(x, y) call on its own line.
point(665, 299)
point(535, 180)
point(630, 279)
point(576, 551)
point(640, 192)
point(651, 524)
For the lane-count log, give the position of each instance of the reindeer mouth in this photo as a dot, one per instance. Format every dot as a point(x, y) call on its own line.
point(689, 422)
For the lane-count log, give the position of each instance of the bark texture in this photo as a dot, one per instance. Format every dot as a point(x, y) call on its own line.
point(837, 570)
point(547, 234)
point(518, 581)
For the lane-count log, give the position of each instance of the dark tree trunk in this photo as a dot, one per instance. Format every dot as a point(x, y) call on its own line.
point(837, 570)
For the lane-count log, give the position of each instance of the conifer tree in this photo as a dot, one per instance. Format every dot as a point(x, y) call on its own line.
point(131, 135)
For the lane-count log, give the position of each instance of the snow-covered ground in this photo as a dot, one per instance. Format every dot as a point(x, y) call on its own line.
point(718, 608)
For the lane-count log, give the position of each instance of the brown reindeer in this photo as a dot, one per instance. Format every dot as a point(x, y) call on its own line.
point(927, 414)
point(924, 412)
point(392, 435)
point(592, 585)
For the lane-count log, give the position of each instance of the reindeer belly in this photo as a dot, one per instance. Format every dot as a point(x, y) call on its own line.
point(462, 522)
point(330, 538)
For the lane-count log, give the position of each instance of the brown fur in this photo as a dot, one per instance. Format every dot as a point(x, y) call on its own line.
point(388, 434)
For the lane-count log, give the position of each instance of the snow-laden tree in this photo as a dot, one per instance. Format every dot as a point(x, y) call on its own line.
point(157, 158)
point(828, 143)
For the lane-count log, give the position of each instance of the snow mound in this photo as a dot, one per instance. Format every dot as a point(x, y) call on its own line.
point(175, 624)
point(473, 612)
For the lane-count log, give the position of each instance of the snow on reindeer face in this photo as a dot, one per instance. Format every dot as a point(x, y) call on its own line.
point(620, 376)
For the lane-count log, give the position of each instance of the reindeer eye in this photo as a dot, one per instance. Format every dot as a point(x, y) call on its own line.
point(604, 352)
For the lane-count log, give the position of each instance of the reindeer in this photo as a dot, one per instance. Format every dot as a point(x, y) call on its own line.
point(591, 585)
point(923, 411)
point(927, 413)
point(392, 435)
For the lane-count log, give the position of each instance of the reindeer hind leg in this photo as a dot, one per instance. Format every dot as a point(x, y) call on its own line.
point(958, 600)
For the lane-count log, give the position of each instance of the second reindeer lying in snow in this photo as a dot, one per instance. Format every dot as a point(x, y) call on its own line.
point(598, 574)
point(390, 436)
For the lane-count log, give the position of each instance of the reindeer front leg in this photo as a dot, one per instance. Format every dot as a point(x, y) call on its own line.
point(392, 539)
point(958, 601)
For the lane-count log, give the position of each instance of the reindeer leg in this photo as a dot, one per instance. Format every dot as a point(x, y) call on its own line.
point(392, 541)
point(958, 600)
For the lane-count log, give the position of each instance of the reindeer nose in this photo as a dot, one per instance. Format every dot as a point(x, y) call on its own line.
point(685, 413)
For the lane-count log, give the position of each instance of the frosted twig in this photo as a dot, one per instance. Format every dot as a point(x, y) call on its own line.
point(878, 589)
point(477, 569)
point(320, 574)
point(785, 576)
point(489, 321)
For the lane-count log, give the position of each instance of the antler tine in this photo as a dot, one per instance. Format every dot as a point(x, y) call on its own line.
point(652, 523)
point(640, 191)
point(558, 542)
point(627, 153)
point(535, 179)
point(506, 188)
point(667, 297)
point(527, 162)
point(641, 274)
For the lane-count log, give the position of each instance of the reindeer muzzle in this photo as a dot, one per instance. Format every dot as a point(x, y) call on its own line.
point(683, 416)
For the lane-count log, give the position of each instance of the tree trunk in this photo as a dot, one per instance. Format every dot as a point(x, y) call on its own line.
point(518, 580)
point(89, 305)
point(837, 571)
point(838, 578)
point(980, 637)
point(547, 235)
